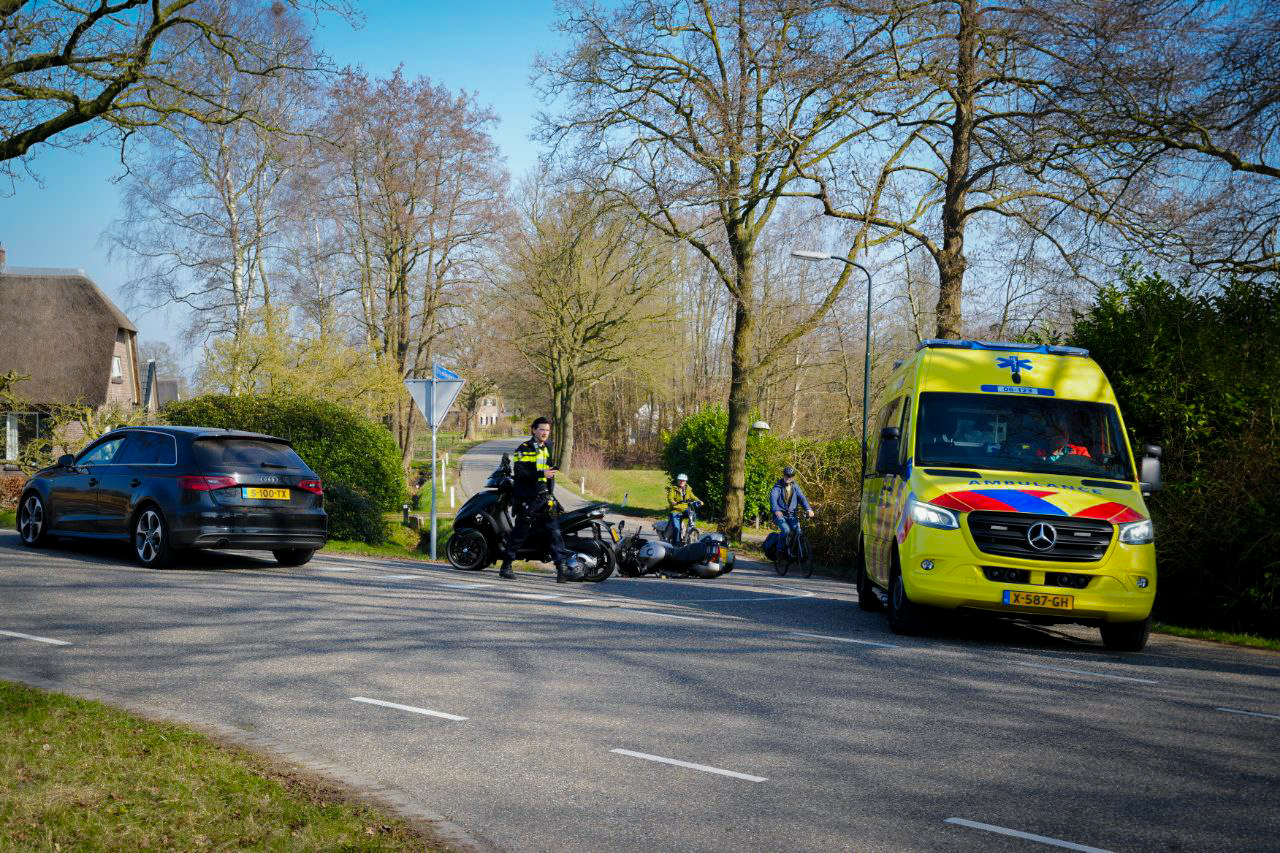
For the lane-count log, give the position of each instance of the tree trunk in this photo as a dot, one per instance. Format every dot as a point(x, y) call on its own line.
point(735, 469)
point(951, 260)
point(564, 433)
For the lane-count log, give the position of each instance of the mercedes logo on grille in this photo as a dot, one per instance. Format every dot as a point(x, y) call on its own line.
point(1042, 536)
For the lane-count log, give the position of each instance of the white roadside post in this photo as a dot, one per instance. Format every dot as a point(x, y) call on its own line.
point(433, 397)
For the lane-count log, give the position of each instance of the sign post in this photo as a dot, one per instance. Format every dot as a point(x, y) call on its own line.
point(433, 397)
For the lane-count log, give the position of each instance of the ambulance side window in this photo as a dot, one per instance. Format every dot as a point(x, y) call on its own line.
point(888, 417)
point(907, 442)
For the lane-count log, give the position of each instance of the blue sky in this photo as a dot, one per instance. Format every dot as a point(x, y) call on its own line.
point(483, 47)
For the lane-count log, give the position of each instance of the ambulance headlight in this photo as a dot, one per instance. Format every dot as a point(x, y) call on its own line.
point(1137, 533)
point(929, 515)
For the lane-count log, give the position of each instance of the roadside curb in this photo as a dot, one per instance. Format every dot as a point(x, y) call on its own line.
point(364, 788)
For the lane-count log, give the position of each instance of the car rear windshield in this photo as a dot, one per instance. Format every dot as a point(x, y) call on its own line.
point(239, 454)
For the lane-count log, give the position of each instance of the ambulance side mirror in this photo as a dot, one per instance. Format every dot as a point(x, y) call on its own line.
point(1150, 472)
point(887, 455)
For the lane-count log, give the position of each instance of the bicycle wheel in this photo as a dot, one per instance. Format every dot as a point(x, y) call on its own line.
point(806, 555)
point(784, 558)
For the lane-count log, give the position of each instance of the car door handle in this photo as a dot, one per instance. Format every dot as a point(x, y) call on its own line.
point(93, 481)
point(135, 482)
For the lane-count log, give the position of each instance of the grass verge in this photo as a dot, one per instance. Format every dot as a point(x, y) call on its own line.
point(8, 518)
point(645, 489)
point(402, 542)
point(79, 773)
point(1225, 637)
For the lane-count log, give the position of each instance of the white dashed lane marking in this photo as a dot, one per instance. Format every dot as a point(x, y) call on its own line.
point(48, 640)
point(843, 640)
point(658, 613)
point(690, 765)
point(1017, 833)
point(397, 706)
point(1086, 672)
point(1235, 711)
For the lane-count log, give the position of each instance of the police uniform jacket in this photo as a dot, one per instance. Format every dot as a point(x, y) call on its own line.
point(529, 466)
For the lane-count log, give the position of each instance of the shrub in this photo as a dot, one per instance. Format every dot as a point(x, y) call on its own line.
point(1199, 374)
point(11, 489)
point(352, 516)
point(339, 444)
point(697, 448)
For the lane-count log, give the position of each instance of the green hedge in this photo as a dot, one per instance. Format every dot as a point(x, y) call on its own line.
point(697, 448)
point(1199, 374)
point(342, 446)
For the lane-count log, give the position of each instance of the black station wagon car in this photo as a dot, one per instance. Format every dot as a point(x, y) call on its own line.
point(163, 489)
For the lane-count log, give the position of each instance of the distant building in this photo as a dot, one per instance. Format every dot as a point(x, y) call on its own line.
point(61, 330)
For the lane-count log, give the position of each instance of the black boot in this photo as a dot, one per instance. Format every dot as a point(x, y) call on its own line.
point(561, 576)
point(505, 572)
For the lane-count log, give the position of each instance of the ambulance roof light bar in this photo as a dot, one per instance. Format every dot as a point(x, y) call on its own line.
point(1001, 346)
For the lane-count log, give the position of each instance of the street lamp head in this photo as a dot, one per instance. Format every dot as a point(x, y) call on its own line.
point(811, 255)
point(760, 426)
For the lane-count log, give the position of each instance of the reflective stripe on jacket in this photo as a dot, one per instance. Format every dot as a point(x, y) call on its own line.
point(529, 466)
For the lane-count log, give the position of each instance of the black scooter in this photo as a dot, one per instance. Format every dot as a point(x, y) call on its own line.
point(482, 525)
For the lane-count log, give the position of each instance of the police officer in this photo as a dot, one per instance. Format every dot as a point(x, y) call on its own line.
point(534, 480)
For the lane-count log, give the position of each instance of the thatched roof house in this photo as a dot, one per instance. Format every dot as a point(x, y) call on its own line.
point(61, 330)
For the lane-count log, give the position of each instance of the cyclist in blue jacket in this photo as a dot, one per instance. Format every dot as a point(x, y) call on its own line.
point(784, 499)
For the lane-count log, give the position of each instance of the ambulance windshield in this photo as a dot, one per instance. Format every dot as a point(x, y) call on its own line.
point(1005, 432)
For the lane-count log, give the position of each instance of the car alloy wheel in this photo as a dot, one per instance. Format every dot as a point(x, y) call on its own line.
point(31, 520)
point(148, 537)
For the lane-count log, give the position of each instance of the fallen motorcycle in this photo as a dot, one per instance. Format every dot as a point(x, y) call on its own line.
point(483, 523)
point(708, 557)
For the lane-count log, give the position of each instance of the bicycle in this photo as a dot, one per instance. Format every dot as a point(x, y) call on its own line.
point(687, 533)
point(798, 554)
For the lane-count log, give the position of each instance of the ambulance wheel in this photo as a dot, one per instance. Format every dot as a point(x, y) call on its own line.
point(867, 598)
point(1125, 636)
point(905, 616)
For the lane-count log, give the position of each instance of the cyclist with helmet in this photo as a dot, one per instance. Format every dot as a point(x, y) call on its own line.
point(681, 503)
point(784, 499)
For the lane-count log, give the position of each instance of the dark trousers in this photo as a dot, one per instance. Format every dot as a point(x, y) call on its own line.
point(530, 514)
point(787, 524)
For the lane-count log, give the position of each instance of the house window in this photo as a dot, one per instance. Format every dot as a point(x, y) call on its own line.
point(117, 370)
point(20, 429)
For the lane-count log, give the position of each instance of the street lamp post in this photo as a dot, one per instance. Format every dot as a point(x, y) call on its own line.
point(866, 364)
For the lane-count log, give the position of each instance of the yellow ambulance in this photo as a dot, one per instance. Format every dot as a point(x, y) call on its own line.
point(1000, 478)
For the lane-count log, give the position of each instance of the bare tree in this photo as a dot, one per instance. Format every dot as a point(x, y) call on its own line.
point(584, 281)
point(202, 210)
point(1187, 96)
point(414, 186)
point(702, 115)
point(124, 65)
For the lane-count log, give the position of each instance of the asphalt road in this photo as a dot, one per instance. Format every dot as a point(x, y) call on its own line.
point(828, 732)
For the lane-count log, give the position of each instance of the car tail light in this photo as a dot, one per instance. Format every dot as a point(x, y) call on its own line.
point(205, 484)
point(312, 486)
